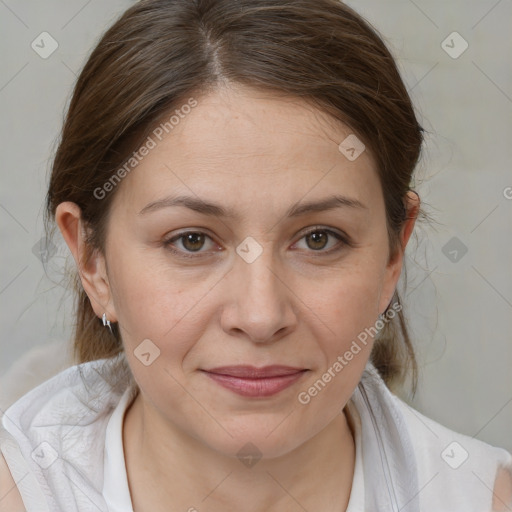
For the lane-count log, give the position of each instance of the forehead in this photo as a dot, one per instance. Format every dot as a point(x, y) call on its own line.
point(238, 120)
point(245, 146)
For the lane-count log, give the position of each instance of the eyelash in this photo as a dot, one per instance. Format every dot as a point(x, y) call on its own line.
point(343, 239)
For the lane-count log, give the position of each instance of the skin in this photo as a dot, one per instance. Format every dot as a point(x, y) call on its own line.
point(295, 305)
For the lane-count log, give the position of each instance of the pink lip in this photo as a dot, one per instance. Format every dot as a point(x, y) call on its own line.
point(255, 382)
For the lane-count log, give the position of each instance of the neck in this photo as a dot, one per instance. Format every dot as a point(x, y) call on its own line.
point(167, 466)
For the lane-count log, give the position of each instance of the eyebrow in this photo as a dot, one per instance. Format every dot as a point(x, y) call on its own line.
point(216, 210)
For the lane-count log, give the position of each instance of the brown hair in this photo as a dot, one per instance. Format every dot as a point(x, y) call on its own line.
point(161, 52)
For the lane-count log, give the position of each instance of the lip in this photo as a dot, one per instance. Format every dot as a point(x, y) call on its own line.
point(255, 382)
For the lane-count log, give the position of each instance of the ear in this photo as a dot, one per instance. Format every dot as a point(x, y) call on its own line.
point(394, 267)
point(92, 272)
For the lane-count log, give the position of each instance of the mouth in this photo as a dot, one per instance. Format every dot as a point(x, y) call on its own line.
point(250, 381)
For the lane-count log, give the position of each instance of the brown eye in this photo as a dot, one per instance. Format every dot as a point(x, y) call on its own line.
point(317, 240)
point(193, 241)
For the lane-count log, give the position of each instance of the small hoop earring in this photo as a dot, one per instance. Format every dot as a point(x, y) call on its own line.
point(106, 323)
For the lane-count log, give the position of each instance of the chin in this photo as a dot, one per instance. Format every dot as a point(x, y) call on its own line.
point(252, 439)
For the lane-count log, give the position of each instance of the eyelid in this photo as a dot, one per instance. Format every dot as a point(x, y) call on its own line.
point(313, 229)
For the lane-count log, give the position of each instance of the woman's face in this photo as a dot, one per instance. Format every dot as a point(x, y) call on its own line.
point(261, 280)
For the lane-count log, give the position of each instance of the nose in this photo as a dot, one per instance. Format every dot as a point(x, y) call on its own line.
point(260, 306)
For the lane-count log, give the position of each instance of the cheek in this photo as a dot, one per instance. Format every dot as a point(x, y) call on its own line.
point(157, 302)
point(347, 309)
point(348, 303)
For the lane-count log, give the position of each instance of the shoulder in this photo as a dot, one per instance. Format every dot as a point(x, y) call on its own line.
point(84, 396)
point(455, 471)
point(459, 460)
point(502, 493)
point(429, 433)
point(9, 493)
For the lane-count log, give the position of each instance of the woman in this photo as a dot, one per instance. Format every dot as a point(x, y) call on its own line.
point(233, 183)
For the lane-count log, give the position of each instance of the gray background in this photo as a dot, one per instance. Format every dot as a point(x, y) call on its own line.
point(459, 305)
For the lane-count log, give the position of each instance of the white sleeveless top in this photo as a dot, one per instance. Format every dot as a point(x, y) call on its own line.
point(63, 444)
